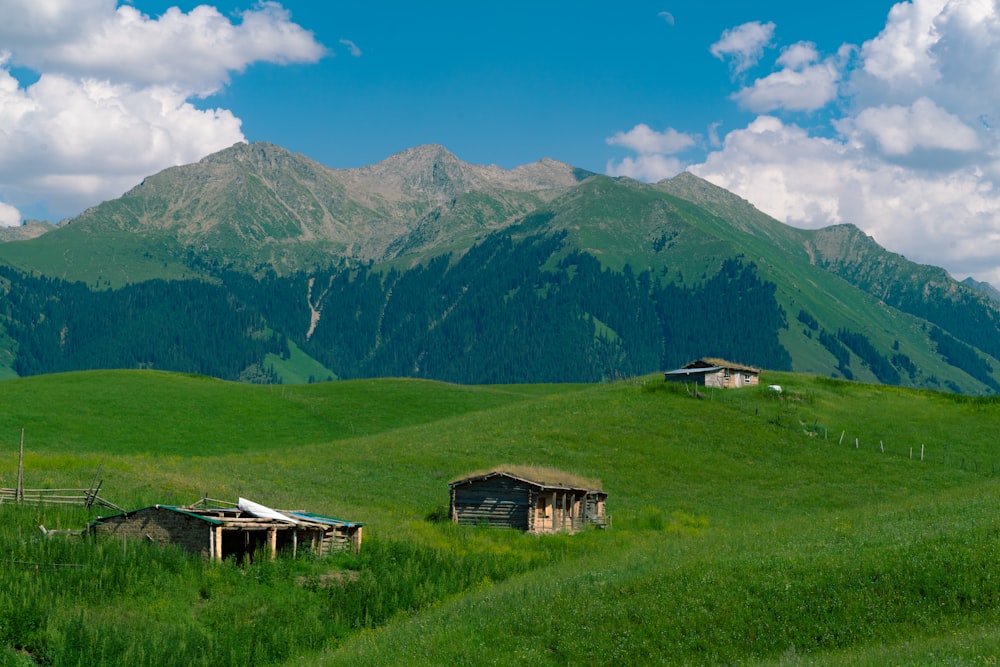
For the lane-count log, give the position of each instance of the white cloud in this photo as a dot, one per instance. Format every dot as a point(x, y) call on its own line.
point(813, 182)
point(744, 45)
point(9, 216)
point(643, 139)
point(901, 54)
point(352, 48)
point(803, 84)
point(194, 51)
point(655, 149)
point(906, 150)
point(75, 142)
point(646, 167)
point(112, 100)
point(792, 176)
point(899, 130)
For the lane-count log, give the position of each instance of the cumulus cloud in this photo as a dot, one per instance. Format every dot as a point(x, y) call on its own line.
point(655, 149)
point(743, 45)
point(648, 167)
point(9, 216)
point(802, 84)
point(75, 142)
point(899, 130)
point(194, 51)
point(643, 139)
point(813, 182)
point(902, 54)
point(112, 101)
point(906, 148)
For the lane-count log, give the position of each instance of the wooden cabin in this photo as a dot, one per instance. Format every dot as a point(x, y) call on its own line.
point(219, 532)
point(718, 373)
point(536, 500)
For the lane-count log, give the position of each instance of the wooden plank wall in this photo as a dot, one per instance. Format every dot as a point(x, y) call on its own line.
point(498, 501)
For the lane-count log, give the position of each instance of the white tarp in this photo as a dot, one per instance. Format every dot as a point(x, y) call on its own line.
point(262, 511)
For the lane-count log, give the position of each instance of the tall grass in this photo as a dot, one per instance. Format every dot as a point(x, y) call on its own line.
point(71, 600)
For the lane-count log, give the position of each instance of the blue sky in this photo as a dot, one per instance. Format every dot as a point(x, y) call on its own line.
point(510, 83)
point(875, 113)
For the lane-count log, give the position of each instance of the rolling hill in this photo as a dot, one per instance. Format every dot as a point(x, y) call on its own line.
point(836, 523)
point(426, 266)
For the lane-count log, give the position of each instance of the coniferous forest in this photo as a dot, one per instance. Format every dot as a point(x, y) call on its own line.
point(509, 310)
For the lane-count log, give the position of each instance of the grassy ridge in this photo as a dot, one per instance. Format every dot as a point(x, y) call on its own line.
point(747, 527)
point(133, 412)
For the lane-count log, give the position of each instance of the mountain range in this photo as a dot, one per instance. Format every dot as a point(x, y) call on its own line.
point(261, 265)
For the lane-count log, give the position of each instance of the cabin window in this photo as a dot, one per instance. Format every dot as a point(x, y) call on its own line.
point(746, 378)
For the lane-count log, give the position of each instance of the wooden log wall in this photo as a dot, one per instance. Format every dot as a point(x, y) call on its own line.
point(498, 501)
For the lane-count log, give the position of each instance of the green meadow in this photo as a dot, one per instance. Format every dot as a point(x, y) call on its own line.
point(834, 523)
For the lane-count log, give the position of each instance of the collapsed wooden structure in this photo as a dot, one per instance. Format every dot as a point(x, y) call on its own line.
point(219, 530)
point(536, 500)
point(718, 373)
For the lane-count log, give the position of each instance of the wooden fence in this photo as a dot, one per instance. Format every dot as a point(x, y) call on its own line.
point(79, 497)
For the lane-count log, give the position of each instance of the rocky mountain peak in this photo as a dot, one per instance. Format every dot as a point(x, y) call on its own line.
point(428, 171)
point(434, 173)
point(258, 156)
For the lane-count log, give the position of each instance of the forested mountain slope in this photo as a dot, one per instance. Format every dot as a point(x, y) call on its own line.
point(255, 259)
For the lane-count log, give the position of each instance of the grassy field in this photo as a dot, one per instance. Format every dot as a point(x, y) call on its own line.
point(832, 524)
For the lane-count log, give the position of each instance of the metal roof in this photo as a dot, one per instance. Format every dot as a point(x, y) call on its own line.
point(309, 516)
point(180, 510)
point(711, 365)
point(694, 371)
point(228, 516)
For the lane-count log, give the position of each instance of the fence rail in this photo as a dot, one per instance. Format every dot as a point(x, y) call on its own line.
point(80, 497)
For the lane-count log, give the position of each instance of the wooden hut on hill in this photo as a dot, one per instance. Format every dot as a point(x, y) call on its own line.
point(536, 500)
point(719, 373)
point(219, 532)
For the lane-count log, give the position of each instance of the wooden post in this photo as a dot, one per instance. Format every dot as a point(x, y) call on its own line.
point(562, 514)
point(881, 446)
point(555, 510)
point(841, 441)
point(921, 451)
point(272, 539)
point(19, 492)
point(94, 486)
point(217, 555)
point(532, 512)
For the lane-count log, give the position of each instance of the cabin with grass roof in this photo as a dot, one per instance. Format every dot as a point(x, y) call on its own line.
point(717, 373)
point(218, 530)
point(532, 499)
